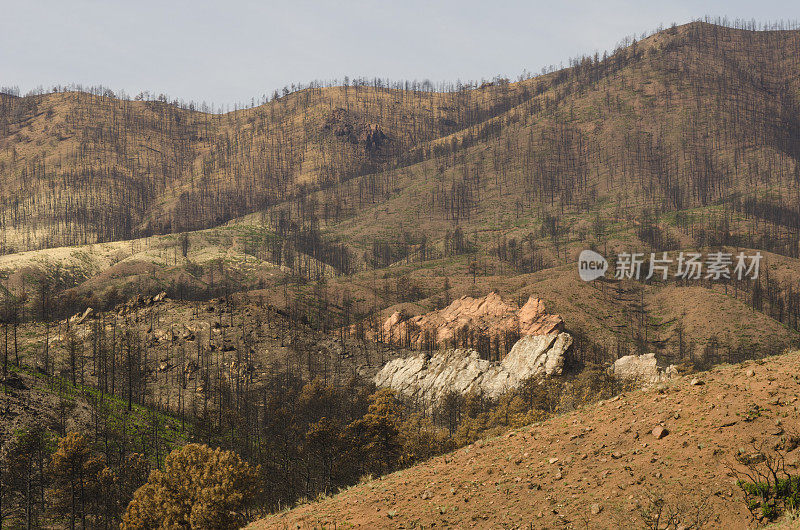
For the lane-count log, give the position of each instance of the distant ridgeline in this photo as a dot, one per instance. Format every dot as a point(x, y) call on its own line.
point(688, 117)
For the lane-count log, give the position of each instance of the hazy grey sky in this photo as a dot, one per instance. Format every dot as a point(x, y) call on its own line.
point(224, 52)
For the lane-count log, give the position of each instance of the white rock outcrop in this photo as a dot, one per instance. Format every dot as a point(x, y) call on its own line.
point(80, 317)
point(642, 369)
point(463, 371)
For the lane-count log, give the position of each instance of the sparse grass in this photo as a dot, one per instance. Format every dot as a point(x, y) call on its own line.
point(769, 489)
point(140, 421)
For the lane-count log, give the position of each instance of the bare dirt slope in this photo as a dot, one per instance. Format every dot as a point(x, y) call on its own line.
point(598, 467)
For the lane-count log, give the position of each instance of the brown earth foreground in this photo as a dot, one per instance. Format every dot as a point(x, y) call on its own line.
point(597, 467)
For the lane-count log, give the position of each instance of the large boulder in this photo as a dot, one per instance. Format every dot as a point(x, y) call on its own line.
point(80, 317)
point(463, 371)
point(642, 369)
point(536, 354)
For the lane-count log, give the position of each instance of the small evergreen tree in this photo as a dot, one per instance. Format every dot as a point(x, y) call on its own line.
point(199, 488)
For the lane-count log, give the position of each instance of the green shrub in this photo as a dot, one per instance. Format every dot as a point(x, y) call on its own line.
point(769, 489)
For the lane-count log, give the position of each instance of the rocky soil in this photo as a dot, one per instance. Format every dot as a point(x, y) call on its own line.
point(602, 466)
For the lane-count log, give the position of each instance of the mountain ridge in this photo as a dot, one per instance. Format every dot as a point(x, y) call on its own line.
point(313, 149)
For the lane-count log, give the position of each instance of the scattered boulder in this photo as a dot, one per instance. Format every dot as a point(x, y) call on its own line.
point(642, 369)
point(140, 301)
point(80, 317)
point(463, 371)
point(14, 381)
point(659, 432)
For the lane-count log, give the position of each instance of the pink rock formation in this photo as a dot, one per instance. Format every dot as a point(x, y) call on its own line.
point(467, 318)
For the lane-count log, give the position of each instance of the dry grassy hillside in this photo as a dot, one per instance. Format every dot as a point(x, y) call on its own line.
point(78, 167)
point(685, 118)
point(402, 197)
